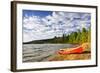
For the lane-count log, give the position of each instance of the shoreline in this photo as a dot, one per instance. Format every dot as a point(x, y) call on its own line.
point(84, 55)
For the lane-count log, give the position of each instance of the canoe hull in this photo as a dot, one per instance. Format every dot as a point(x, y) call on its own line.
point(72, 51)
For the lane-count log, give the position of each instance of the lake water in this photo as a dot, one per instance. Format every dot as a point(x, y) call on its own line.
point(41, 52)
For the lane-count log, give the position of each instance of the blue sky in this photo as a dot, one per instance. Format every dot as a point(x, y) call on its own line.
point(36, 13)
point(38, 25)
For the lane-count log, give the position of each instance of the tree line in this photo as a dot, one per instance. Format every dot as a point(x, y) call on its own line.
point(75, 37)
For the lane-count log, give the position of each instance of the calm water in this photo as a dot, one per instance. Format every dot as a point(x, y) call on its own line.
point(41, 52)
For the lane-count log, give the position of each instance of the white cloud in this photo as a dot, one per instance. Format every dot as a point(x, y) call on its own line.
point(36, 28)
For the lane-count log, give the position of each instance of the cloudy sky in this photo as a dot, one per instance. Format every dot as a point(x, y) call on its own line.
point(38, 25)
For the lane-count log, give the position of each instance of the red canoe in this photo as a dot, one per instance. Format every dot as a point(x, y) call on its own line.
point(70, 51)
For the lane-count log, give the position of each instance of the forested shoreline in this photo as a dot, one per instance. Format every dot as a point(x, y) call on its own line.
point(78, 37)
